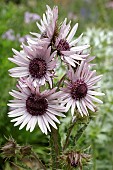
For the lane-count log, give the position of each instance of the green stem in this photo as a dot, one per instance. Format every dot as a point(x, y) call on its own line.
point(77, 136)
point(55, 148)
point(68, 136)
point(39, 161)
point(80, 132)
point(61, 80)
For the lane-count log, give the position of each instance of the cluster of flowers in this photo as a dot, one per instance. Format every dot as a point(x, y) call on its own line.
point(37, 63)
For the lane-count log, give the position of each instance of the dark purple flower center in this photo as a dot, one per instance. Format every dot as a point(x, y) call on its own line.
point(62, 46)
point(79, 90)
point(36, 105)
point(37, 68)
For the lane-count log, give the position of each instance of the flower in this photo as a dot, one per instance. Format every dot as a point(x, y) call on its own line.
point(66, 47)
point(24, 38)
point(47, 26)
point(9, 35)
point(31, 106)
point(36, 63)
point(80, 89)
point(29, 17)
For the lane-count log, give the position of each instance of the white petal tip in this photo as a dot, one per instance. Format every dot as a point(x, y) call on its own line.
point(27, 129)
point(15, 125)
point(9, 59)
point(13, 49)
point(45, 133)
point(56, 127)
point(31, 130)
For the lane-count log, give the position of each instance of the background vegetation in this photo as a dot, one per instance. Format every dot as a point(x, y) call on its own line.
point(96, 21)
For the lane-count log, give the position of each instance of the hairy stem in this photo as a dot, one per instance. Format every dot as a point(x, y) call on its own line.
point(55, 148)
point(68, 136)
point(39, 161)
point(80, 132)
point(77, 136)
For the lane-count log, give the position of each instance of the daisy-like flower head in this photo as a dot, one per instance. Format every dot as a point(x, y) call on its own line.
point(47, 26)
point(31, 106)
point(79, 92)
point(37, 63)
point(66, 47)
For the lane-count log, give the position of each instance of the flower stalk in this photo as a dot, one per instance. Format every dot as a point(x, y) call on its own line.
point(39, 161)
point(55, 143)
point(68, 136)
point(80, 132)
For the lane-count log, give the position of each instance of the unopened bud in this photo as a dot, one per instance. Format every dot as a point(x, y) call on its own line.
point(75, 159)
point(25, 150)
point(9, 149)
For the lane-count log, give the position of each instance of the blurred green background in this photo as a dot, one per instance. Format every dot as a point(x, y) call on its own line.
point(95, 18)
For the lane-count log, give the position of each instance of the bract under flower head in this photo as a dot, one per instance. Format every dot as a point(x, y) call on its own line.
point(80, 89)
point(31, 106)
point(36, 63)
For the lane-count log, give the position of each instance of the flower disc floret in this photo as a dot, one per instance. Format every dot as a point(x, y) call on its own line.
point(36, 105)
point(63, 46)
point(79, 90)
point(37, 68)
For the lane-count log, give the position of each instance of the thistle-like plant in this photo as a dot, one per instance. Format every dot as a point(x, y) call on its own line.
point(38, 66)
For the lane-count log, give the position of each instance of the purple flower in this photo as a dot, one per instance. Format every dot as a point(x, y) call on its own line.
point(47, 26)
point(24, 38)
point(31, 106)
point(30, 17)
point(80, 90)
point(66, 47)
point(9, 35)
point(36, 63)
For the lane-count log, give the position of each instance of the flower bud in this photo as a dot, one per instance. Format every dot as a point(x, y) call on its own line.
point(76, 159)
point(9, 149)
point(25, 150)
